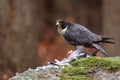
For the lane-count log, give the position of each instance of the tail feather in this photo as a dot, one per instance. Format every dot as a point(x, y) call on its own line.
point(98, 47)
point(106, 40)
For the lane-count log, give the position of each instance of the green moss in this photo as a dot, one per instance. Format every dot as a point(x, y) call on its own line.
point(109, 64)
point(75, 78)
point(80, 67)
point(74, 71)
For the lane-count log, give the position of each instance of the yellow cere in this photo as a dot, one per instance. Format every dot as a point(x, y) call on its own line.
point(58, 23)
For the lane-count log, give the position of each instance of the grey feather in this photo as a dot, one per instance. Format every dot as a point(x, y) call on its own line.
point(97, 46)
point(79, 35)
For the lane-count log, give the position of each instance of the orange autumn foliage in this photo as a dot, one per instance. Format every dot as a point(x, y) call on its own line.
point(52, 47)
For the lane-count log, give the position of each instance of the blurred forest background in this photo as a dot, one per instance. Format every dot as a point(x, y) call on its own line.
point(28, 36)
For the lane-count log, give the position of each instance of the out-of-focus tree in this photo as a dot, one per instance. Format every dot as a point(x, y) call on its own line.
point(111, 24)
point(19, 34)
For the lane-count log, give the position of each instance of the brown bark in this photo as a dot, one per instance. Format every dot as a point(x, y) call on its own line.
point(19, 32)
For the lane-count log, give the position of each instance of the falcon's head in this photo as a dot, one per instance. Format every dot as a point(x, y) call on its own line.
point(62, 26)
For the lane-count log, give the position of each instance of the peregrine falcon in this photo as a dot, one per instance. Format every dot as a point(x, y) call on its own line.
point(78, 35)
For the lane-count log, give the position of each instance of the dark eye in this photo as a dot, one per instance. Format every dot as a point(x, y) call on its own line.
point(63, 25)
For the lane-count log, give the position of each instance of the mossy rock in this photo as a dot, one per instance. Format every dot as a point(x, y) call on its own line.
point(81, 67)
point(75, 78)
point(109, 64)
point(72, 71)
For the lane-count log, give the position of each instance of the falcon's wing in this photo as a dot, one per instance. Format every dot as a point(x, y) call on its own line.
point(79, 35)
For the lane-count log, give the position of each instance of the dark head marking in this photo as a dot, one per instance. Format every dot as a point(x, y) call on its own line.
point(61, 23)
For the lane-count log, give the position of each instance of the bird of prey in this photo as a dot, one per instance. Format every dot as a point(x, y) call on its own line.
point(78, 35)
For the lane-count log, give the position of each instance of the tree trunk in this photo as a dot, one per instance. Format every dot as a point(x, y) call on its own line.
point(19, 32)
point(111, 23)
